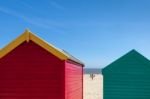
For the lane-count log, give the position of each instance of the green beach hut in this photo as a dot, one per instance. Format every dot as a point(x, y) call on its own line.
point(128, 77)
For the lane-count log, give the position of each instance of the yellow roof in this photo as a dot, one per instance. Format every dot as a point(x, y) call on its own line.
point(28, 36)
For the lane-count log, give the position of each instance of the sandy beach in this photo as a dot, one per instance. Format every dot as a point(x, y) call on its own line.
point(93, 89)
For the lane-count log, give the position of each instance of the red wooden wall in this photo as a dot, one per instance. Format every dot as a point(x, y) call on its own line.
point(73, 81)
point(30, 72)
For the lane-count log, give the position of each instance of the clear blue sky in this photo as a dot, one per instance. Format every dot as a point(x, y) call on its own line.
point(95, 31)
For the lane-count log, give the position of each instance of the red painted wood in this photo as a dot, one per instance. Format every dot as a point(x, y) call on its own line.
point(73, 81)
point(30, 72)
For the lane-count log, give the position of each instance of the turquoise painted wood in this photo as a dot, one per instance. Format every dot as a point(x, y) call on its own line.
point(128, 77)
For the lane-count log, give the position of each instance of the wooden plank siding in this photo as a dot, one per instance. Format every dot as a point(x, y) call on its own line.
point(127, 78)
point(31, 72)
point(73, 81)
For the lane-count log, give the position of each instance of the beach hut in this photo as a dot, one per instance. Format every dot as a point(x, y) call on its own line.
point(128, 77)
point(31, 68)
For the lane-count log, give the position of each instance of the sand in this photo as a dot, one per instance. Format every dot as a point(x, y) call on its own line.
point(93, 89)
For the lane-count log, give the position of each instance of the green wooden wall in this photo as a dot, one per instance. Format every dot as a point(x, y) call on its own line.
point(127, 78)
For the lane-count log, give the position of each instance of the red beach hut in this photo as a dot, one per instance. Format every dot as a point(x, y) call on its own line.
point(30, 68)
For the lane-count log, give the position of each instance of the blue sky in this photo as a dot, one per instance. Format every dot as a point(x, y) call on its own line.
point(95, 31)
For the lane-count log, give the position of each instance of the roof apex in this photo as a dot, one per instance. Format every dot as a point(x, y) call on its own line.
point(27, 30)
point(133, 50)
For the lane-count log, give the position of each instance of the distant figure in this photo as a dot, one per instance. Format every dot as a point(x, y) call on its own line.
point(92, 76)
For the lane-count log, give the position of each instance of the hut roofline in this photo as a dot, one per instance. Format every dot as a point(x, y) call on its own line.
point(138, 56)
point(28, 36)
